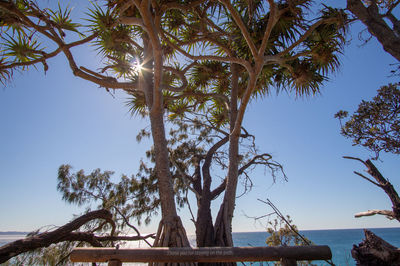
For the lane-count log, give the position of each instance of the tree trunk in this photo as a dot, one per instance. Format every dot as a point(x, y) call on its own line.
point(223, 223)
point(376, 25)
point(204, 224)
point(170, 232)
point(375, 251)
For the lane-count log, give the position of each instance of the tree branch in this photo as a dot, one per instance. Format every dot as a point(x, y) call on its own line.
point(381, 182)
point(46, 239)
point(239, 22)
point(376, 25)
point(218, 190)
point(387, 213)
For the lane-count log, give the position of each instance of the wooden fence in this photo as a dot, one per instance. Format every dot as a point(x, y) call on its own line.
point(287, 255)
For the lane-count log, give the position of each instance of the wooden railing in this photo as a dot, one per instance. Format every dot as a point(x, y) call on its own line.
point(287, 255)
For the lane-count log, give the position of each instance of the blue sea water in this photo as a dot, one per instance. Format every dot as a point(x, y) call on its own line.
point(340, 241)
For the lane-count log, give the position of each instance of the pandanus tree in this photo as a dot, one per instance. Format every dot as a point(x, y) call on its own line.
point(127, 38)
point(230, 50)
point(263, 46)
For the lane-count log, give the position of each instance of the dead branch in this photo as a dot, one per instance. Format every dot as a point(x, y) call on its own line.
point(387, 213)
point(384, 184)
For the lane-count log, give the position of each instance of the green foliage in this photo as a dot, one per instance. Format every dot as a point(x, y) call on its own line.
point(21, 49)
point(5, 74)
point(29, 33)
point(199, 112)
point(62, 20)
point(281, 234)
point(211, 29)
point(56, 254)
point(130, 198)
point(284, 233)
point(376, 123)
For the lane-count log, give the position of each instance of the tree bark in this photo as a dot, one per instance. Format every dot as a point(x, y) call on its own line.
point(373, 250)
point(205, 235)
point(170, 232)
point(223, 223)
point(376, 25)
point(204, 225)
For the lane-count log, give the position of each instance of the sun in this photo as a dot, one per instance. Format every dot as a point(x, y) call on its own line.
point(138, 66)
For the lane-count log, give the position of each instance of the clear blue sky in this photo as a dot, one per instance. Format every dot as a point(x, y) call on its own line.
point(53, 119)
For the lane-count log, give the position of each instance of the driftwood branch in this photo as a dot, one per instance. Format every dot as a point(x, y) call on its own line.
point(387, 213)
point(375, 251)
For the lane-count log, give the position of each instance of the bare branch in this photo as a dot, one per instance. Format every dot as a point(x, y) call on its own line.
point(131, 21)
point(354, 158)
point(368, 179)
point(239, 61)
point(218, 190)
point(389, 214)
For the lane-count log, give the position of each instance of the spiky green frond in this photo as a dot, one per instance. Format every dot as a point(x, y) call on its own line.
point(304, 79)
point(21, 49)
point(177, 109)
point(5, 73)
point(114, 41)
point(137, 105)
point(174, 20)
point(62, 19)
point(205, 72)
point(12, 21)
point(100, 19)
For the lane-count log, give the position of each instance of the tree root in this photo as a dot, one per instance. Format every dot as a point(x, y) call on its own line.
point(171, 233)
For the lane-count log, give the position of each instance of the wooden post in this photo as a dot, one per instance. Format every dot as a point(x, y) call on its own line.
point(114, 262)
point(287, 262)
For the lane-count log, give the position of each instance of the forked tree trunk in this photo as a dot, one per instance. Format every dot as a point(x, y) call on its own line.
point(205, 234)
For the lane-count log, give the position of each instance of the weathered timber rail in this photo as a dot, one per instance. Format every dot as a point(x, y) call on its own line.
point(208, 254)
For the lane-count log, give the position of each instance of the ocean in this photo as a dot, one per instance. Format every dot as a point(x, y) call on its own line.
point(340, 241)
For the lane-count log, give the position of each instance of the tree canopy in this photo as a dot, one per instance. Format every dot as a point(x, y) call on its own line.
point(182, 59)
point(375, 124)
